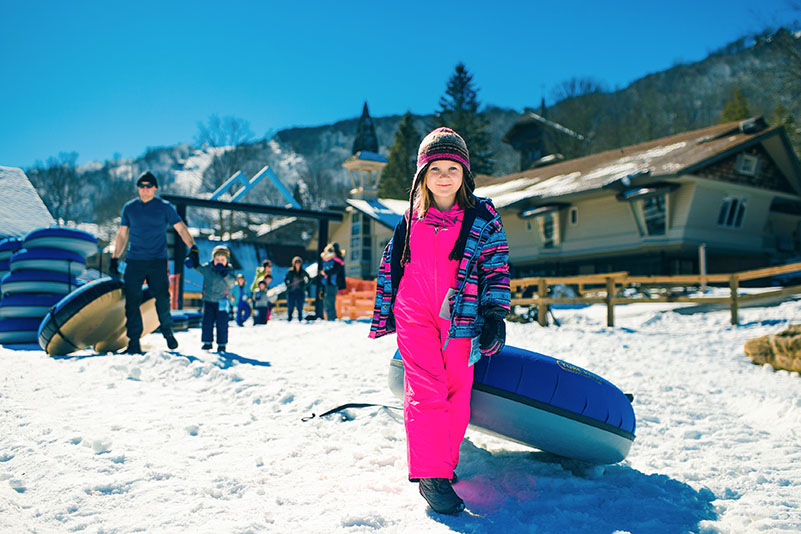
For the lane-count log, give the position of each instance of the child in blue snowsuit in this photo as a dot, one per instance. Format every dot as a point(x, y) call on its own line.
point(218, 279)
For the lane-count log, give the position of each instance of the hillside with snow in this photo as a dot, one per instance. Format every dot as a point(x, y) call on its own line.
point(192, 441)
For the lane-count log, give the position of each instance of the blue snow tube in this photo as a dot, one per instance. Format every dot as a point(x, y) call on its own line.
point(38, 281)
point(31, 305)
point(18, 330)
point(48, 259)
point(9, 246)
point(546, 403)
point(77, 241)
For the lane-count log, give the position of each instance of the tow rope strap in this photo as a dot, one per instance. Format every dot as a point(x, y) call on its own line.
point(350, 405)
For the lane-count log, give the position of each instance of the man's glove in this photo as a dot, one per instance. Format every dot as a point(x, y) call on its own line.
point(493, 334)
point(114, 268)
point(194, 257)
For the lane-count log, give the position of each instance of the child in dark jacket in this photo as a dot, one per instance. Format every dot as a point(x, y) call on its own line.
point(296, 280)
point(261, 305)
point(218, 279)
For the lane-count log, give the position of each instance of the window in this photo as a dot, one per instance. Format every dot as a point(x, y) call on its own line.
point(573, 216)
point(732, 212)
point(361, 250)
point(355, 236)
point(746, 164)
point(654, 215)
point(549, 229)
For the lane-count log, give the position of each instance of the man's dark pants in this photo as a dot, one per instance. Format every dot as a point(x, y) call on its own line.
point(156, 274)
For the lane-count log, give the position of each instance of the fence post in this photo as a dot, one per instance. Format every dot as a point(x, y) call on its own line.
point(734, 285)
point(610, 303)
point(542, 307)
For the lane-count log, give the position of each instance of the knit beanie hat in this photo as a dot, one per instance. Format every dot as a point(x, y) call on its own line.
point(147, 178)
point(441, 143)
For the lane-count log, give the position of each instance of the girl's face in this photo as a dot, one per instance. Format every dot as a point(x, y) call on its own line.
point(221, 259)
point(444, 179)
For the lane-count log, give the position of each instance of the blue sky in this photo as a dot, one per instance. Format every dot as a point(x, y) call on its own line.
point(100, 78)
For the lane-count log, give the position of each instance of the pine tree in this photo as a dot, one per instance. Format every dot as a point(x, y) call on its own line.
point(459, 111)
point(783, 117)
point(736, 108)
point(396, 177)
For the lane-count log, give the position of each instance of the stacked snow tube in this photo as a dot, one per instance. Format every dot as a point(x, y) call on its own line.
point(44, 267)
point(194, 317)
point(7, 248)
point(547, 404)
point(93, 316)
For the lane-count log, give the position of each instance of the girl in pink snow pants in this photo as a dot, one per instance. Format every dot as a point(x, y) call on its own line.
point(443, 286)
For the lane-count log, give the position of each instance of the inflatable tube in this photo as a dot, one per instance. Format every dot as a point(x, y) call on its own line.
point(93, 315)
point(48, 259)
point(9, 246)
point(37, 281)
point(194, 317)
point(547, 404)
point(32, 305)
point(18, 330)
point(180, 320)
point(77, 241)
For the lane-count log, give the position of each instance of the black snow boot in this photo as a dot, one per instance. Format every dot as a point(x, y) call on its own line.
point(172, 343)
point(134, 348)
point(206, 346)
point(220, 348)
point(440, 496)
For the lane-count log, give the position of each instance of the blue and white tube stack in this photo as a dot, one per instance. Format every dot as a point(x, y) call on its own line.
point(43, 269)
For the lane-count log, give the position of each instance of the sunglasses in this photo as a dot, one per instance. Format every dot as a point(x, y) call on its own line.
point(146, 186)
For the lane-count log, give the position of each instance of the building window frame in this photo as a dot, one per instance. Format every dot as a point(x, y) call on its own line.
point(732, 211)
point(747, 164)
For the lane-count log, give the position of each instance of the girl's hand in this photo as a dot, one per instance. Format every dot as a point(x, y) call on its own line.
point(493, 334)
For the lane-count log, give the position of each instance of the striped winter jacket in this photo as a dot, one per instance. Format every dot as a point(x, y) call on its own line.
point(481, 282)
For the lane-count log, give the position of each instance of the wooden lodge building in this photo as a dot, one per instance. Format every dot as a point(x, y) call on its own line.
point(647, 209)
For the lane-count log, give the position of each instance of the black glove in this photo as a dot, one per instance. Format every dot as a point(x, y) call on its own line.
point(114, 268)
point(194, 256)
point(493, 334)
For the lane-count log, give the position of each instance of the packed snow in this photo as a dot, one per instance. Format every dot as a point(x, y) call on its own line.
point(201, 442)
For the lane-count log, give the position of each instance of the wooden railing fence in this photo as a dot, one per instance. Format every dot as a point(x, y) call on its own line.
point(605, 288)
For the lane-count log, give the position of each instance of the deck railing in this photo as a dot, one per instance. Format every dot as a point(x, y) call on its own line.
point(605, 288)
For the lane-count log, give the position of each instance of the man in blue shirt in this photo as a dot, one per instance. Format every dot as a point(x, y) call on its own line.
point(143, 226)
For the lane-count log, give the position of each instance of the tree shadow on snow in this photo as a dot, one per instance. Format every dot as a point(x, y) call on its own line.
point(536, 491)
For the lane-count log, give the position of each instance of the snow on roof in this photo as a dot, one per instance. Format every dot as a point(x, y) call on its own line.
point(665, 158)
point(21, 208)
point(387, 211)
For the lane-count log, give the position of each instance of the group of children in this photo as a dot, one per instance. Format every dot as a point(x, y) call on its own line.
point(225, 293)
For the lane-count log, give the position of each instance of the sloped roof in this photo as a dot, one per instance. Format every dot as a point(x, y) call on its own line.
point(668, 157)
point(386, 211)
point(21, 208)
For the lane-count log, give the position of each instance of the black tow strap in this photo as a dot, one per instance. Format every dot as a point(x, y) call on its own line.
point(350, 405)
point(58, 329)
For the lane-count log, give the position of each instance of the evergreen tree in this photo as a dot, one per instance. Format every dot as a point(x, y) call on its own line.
point(736, 108)
point(459, 111)
point(783, 117)
point(396, 177)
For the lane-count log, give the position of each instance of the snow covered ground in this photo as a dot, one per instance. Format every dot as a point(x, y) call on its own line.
point(205, 443)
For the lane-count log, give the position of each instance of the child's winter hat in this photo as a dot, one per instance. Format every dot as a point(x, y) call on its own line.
point(442, 143)
point(221, 250)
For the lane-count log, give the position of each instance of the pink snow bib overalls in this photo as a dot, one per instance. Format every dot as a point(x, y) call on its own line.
point(437, 380)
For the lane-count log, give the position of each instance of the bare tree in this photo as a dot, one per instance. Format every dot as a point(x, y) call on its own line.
point(232, 136)
point(58, 185)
